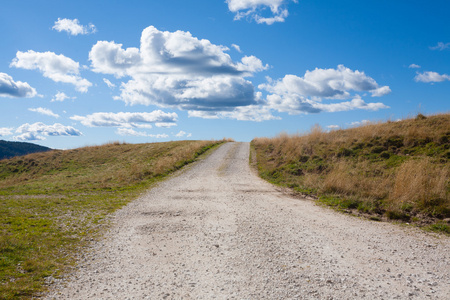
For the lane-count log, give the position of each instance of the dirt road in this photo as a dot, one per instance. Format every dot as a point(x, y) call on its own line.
point(217, 231)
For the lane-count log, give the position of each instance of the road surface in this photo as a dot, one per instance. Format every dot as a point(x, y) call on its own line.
point(217, 231)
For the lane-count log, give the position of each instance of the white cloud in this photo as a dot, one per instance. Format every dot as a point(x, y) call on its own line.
point(17, 89)
point(441, 46)
point(256, 113)
point(165, 125)
point(4, 131)
point(359, 123)
point(180, 134)
point(38, 131)
point(236, 47)
point(254, 9)
point(132, 132)
point(29, 136)
point(126, 119)
point(73, 27)
point(158, 136)
point(333, 127)
point(431, 77)
point(177, 70)
point(58, 68)
point(60, 96)
point(306, 94)
point(44, 111)
point(414, 66)
point(109, 83)
point(111, 58)
point(251, 64)
point(381, 91)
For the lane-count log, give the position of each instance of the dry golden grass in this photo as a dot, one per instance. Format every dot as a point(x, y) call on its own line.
point(393, 167)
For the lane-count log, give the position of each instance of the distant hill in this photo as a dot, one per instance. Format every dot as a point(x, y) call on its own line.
point(11, 149)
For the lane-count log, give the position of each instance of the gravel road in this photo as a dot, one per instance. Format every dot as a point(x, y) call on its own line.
point(217, 231)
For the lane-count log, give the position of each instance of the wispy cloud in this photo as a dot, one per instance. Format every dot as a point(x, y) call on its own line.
point(441, 46)
point(256, 10)
point(109, 83)
point(73, 27)
point(132, 132)
point(126, 119)
point(236, 47)
point(359, 123)
point(414, 66)
point(44, 111)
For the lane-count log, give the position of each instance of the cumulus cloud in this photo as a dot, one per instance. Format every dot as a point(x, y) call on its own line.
point(295, 95)
point(430, 76)
point(126, 119)
point(4, 131)
point(257, 10)
point(73, 27)
point(60, 97)
point(44, 111)
point(441, 46)
point(39, 131)
point(109, 83)
point(414, 66)
point(177, 70)
point(17, 89)
point(58, 68)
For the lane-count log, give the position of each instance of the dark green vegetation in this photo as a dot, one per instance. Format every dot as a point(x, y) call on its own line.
point(53, 203)
point(394, 170)
point(11, 149)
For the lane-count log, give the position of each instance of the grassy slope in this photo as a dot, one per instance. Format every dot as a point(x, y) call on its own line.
point(396, 170)
point(53, 203)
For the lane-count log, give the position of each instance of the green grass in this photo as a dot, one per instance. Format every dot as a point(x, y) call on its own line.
point(53, 204)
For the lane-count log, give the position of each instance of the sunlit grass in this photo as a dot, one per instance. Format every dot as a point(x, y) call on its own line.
point(54, 203)
point(399, 170)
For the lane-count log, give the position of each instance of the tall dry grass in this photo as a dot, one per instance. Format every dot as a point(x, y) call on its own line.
point(391, 166)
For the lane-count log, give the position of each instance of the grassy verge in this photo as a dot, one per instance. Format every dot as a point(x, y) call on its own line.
point(393, 170)
point(54, 203)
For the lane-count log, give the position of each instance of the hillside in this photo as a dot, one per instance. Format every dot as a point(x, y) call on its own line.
point(11, 149)
point(53, 203)
point(395, 170)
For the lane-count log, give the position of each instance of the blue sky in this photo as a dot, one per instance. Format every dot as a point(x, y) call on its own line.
point(77, 73)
